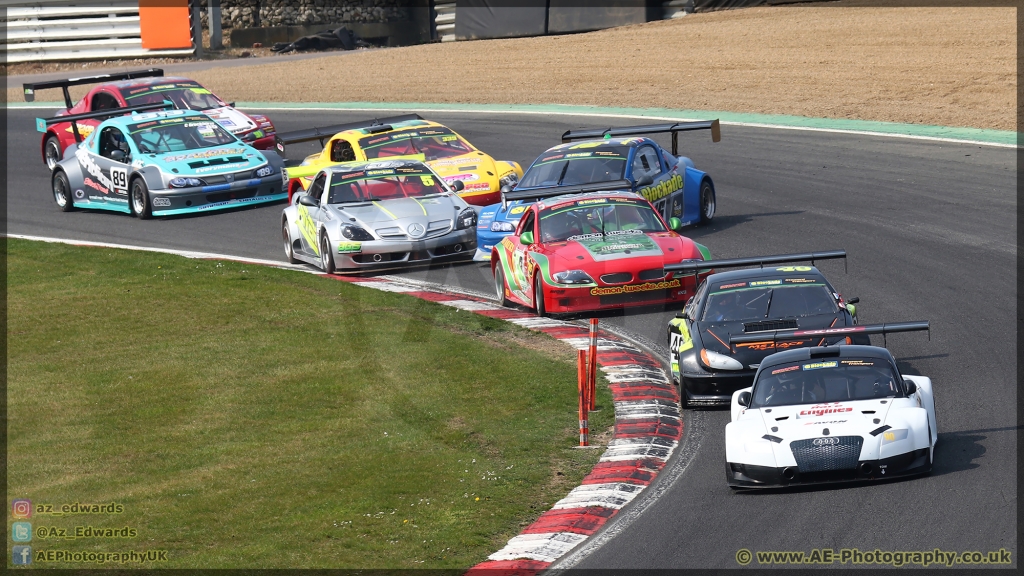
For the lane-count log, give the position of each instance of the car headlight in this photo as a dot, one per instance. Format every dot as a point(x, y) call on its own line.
point(265, 171)
point(466, 219)
point(509, 180)
point(718, 361)
point(573, 277)
point(186, 182)
point(894, 435)
point(503, 227)
point(355, 233)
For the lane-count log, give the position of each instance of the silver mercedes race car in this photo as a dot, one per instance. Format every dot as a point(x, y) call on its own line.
point(373, 215)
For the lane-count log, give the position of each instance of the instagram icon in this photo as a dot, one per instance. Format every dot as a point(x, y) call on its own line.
point(21, 508)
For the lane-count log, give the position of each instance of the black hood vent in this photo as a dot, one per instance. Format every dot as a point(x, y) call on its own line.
point(764, 325)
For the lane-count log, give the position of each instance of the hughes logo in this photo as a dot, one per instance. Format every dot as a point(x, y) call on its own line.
point(822, 410)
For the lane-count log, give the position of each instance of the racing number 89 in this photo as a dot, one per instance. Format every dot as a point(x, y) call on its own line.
point(119, 177)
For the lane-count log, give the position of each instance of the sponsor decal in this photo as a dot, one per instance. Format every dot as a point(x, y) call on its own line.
point(205, 154)
point(761, 346)
point(827, 441)
point(633, 288)
point(94, 185)
point(595, 201)
point(817, 422)
point(220, 167)
point(467, 177)
point(83, 129)
point(765, 283)
point(516, 210)
point(734, 285)
point(893, 436)
point(579, 155)
point(800, 280)
point(786, 369)
point(80, 194)
point(606, 247)
point(349, 247)
point(89, 165)
point(857, 363)
point(823, 409)
point(555, 157)
point(379, 172)
point(819, 365)
point(478, 186)
point(659, 191)
point(161, 201)
point(794, 269)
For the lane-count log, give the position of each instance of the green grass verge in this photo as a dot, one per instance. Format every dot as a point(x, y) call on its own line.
point(255, 417)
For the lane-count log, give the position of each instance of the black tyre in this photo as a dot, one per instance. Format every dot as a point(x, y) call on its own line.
point(538, 296)
point(326, 258)
point(62, 192)
point(138, 199)
point(52, 152)
point(289, 251)
point(707, 202)
point(499, 285)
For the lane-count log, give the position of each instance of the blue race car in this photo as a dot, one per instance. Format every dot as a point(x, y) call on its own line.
point(146, 161)
point(669, 181)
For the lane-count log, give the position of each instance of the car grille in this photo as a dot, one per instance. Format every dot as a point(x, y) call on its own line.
point(438, 227)
point(840, 456)
point(769, 325)
point(616, 278)
point(392, 233)
point(652, 274)
point(230, 195)
point(635, 297)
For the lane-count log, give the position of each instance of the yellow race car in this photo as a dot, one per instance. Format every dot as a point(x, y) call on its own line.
point(404, 137)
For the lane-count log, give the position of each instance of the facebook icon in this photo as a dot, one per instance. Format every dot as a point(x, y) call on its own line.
point(21, 554)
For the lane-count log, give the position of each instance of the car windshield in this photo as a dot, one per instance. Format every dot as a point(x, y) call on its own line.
point(769, 299)
point(174, 134)
point(433, 143)
point(184, 95)
point(568, 168)
point(383, 184)
point(818, 381)
point(595, 219)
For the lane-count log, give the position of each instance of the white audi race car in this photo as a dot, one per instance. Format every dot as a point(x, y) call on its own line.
point(830, 414)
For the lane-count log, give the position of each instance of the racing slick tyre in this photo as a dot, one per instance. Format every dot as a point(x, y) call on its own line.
point(707, 202)
point(62, 192)
point(326, 259)
point(289, 251)
point(538, 296)
point(499, 285)
point(138, 200)
point(51, 152)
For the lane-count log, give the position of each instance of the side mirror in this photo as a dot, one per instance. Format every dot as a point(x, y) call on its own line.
point(853, 300)
point(682, 314)
point(506, 189)
point(911, 387)
point(526, 238)
point(307, 200)
point(744, 399)
point(458, 186)
point(117, 155)
point(675, 224)
point(645, 180)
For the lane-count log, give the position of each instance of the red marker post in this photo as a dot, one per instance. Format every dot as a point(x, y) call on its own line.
point(592, 368)
point(584, 402)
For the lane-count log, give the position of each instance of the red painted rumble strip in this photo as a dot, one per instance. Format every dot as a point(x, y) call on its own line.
point(628, 471)
point(508, 568)
point(576, 520)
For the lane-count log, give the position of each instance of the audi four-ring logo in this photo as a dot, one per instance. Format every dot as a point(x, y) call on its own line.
point(826, 441)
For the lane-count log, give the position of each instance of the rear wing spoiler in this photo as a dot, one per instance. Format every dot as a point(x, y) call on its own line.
point(674, 128)
point(42, 123)
point(782, 335)
point(761, 261)
point(322, 133)
point(30, 88)
point(551, 191)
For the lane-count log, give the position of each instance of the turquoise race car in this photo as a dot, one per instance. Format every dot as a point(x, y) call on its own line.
point(148, 161)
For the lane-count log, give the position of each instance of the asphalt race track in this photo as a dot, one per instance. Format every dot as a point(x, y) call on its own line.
point(930, 229)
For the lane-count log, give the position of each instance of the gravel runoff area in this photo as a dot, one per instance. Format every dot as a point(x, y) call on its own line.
point(948, 66)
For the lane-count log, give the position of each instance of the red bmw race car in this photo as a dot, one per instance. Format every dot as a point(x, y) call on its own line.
point(140, 87)
point(580, 249)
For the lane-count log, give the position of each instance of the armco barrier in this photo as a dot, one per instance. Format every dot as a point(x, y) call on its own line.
point(89, 30)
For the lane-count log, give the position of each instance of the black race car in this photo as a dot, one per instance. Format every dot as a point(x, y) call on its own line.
point(706, 364)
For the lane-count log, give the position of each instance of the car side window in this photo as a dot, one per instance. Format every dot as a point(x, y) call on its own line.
point(646, 162)
point(527, 224)
point(316, 189)
point(341, 151)
point(691, 304)
point(112, 140)
point(104, 101)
